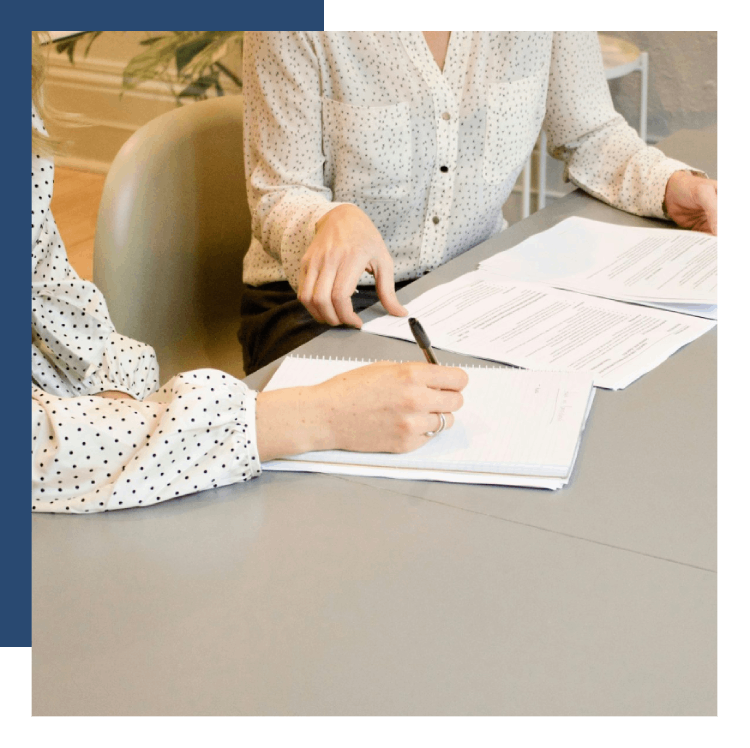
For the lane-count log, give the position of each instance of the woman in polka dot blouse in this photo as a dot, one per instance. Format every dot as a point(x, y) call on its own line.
point(104, 437)
point(375, 157)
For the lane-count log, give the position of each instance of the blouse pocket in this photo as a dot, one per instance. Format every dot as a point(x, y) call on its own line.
point(367, 150)
point(514, 117)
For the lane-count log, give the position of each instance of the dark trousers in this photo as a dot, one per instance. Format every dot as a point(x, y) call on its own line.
point(274, 322)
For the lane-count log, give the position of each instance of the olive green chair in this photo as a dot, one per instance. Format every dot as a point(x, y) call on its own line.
point(172, 230)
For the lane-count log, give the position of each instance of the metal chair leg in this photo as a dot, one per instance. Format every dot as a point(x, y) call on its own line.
point(526, 194)
point(644, 94)
point(542, 172)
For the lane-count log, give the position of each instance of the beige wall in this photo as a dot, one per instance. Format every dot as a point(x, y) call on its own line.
point(92, 86)
point(682, 83)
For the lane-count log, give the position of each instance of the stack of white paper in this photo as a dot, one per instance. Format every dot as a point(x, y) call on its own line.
point(536, 326)
point(518, 428)
point(555, 301)
point(666, 268)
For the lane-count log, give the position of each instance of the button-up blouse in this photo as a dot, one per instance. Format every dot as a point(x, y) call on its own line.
point(430, 156)
point(92, 454)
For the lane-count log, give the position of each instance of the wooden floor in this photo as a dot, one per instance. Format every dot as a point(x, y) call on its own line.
point(75, 204)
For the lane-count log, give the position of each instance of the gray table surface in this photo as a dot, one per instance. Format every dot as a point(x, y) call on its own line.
point(312, 594)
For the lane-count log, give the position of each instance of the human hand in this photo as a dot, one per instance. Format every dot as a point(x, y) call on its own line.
point(388, 407)
point(115, 395)
point(691, 202)
point(346, 244)
point(383, 407)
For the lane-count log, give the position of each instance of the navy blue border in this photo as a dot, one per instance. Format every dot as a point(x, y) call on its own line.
point(15, 541)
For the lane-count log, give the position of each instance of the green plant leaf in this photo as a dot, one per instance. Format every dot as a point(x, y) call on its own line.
point(186, 52)
point(69, 46)
point(200, 86)
point(196, 56)
point(232, 77)
point(94, 34)
point(152, 63)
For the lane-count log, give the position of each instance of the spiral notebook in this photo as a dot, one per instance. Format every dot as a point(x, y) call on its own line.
point(516, 427)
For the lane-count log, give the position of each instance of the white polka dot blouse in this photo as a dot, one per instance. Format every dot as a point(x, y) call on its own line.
point(92, 454)
point(431, 156)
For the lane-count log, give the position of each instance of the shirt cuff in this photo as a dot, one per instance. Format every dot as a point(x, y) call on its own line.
point(662, 171)
point(251, 430)
point(296, 242)
point(318, 213)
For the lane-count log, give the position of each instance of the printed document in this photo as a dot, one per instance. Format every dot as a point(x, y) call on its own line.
point(668, 268)
point(535, 326)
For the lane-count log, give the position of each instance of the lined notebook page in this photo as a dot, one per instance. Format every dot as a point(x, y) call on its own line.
point(513, 421)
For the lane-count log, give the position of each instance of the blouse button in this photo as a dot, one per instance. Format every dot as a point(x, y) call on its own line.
point(435, 220)
point(444, 169)
point(446, 115)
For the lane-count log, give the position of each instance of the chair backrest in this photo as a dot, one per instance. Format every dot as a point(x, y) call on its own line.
point(172, 230)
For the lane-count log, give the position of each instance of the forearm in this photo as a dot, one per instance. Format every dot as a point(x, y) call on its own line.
point(616, 166)
point(603, 155)
point(383, 407)
point(284, 220)
point(292, 421)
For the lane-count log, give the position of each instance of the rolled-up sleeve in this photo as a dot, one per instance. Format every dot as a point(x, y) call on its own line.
point(602, 153)
point(92, 454)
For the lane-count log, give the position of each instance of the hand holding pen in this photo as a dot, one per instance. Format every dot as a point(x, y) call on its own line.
point(422, 340)
point(424, 343)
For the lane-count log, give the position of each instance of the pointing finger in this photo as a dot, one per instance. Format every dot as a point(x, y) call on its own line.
point(307, 281)
point(707, 198)
point(343, 288)
point(386, 287)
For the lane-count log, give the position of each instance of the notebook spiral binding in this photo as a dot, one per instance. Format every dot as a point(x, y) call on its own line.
point(377, 360)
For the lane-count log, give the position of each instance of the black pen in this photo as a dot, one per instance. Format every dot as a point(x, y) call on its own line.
point(422, 340)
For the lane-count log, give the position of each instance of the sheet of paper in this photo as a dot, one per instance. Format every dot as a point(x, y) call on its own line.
point(539, 327)
point(523, 423)
point(443, 476)
point(707, 311)
point(616, 262)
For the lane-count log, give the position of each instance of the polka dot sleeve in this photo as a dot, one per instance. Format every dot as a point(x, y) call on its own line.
point(74, 347)
point(93, 454)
